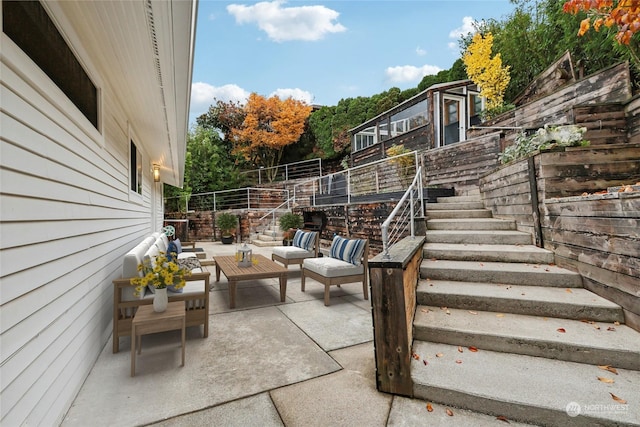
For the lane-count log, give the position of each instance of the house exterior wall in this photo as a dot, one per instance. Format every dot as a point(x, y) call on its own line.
point(67, 219)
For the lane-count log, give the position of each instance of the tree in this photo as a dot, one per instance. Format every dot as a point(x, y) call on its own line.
point(624, 15)
point(269, 125)
point(486, 71)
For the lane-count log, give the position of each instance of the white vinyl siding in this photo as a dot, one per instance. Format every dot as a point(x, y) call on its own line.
point(66, 220)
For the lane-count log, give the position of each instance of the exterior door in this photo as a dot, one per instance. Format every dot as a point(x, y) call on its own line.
point(453, 116)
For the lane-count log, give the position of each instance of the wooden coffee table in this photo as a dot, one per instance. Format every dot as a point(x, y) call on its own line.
point(147, 321)
point(263, 269)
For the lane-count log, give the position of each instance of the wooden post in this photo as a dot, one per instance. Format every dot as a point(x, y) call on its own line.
point(393, 301)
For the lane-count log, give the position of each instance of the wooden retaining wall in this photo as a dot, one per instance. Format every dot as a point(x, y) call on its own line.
point(632, 113)
point(461, 165)
point(358, 220)
point(597, 235)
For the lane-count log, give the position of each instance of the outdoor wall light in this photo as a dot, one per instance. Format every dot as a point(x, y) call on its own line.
point(156, 173)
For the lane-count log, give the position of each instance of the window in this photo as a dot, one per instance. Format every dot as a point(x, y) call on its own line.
point(29, 26)
point(135, 168)
point(364, 138)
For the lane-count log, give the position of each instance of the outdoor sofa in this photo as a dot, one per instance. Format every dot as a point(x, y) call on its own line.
point(195, 294)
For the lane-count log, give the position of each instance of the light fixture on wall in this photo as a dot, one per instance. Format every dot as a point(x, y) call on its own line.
point(156, 173)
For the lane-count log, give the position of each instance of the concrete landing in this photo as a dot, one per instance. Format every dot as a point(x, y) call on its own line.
point(501, 384)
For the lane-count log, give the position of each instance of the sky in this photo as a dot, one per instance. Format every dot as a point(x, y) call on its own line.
point(324, 50)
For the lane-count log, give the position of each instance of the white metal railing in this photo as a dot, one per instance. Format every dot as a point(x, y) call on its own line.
point(248, 198)
point(296, 170)
point(389, 175)
point(403, 215)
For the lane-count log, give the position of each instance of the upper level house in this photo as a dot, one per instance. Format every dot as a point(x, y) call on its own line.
point(437, 117)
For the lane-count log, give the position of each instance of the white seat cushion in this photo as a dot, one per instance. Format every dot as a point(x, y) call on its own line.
point(331, 267)
point(292, 252)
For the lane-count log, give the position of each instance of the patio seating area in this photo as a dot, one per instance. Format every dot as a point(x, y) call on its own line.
point(264, 363)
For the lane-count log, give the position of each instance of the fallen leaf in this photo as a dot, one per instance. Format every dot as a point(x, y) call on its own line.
point(449, 412)
point(415, 356)
point(472, 312)
point(460, 349)
point(425, 310)
point(568, 290)
point(611, 328)
point(617, 399)
point(596, 327)
point(447, 312)
point(458, 361)
point(503, 418)
point(606, 380)
point(608, 368)
point(443, 308)
point(429, 407)
point(561, 330)
point(616, 323)
point(500, 315)
point(481, 265)
point(425, 362)
point(473, 349)
point(439, 354)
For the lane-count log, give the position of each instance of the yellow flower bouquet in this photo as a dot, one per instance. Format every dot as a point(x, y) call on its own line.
point(160, 274)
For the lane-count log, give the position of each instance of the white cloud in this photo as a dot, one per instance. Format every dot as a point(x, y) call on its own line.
point(288, 23)
point(420, 51)
point(466, 28)
point(410, 73)
point(298, 94)
point(204, 95)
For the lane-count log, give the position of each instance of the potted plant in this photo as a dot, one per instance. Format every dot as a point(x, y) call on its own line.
point(289, 223)
point(227, 223)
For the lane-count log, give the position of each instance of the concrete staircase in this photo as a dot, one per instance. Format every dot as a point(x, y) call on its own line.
point(501, 330)
point(268, 234)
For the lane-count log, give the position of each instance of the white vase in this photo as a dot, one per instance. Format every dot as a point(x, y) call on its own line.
point(160, 300)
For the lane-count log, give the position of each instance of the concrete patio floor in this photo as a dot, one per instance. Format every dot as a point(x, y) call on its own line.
point(265, 363)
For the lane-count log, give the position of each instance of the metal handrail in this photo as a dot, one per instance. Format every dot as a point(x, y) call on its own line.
point(416, 184)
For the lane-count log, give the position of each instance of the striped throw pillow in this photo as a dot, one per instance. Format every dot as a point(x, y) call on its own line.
point(349, 250)
point(304, 239)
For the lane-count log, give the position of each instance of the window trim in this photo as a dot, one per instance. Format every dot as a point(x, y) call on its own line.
point(137, 171)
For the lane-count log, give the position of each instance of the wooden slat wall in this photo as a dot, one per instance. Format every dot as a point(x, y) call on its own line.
point(632, 112)
point(507, 193)
point(361, 221)
point(599, 236)
point(605, 123)
point(587, 169)
point(66, 221)
point(461, 165)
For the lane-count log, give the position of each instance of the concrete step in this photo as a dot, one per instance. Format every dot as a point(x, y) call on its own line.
point(594, 343)
point(455, 205)
point(500, 272)
point(269, 238)
point(567, 303)
point(467, 213)
point(459, 199)
point(266, 244)
point(489, 237)
point(523, 388)
point(482, 252)
point(470, 224)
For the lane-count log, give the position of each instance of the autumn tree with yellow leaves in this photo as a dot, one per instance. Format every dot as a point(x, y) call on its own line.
point(269, 125)
point(623, 15)
point(486, 71)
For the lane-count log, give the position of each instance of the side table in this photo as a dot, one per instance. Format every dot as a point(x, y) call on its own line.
point(147, 321)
